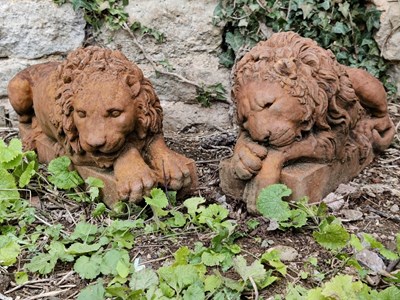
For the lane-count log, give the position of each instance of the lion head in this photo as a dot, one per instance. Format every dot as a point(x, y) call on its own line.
point(102, 100)
point(287, 86)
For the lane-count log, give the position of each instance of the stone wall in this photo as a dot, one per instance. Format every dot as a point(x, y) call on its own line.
point(35, 31)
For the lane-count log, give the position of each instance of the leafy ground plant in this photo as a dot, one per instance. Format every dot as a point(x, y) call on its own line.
point(206, 257)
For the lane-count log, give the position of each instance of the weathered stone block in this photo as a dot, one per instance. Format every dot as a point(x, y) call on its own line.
point(36, 28)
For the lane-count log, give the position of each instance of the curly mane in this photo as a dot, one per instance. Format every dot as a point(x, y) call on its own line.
point(93, 63)
point(305, 71)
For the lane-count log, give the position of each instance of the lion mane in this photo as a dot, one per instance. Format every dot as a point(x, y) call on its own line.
point(93, 63)
point(305, 71)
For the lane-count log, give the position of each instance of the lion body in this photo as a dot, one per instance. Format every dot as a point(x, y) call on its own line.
point(295, 102)
point(101, 111)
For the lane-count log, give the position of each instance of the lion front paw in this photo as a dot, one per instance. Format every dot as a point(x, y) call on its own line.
point(173, 171)
point(247, 160)
point(136, 184)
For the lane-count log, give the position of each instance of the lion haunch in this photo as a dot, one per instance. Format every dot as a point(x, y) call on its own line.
point(296, 105)
point(99, 109)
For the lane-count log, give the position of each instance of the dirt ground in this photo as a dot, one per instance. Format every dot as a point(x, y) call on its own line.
point(374, 194)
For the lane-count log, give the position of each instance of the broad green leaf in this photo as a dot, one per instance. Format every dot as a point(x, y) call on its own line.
point(192, 205)
point(158, 198)
point(342, 287)
point(11, 155)
point(43, 263)
point(83, 230)
point(378, 245)
point(57, 250)
point(273, 259)
point(143, 279)
point(88, 267)
point(355, 242)
point(271, 205)
point(8, 188)
point(111, 259)
point(255, 270)
point(332, 236)
point(82, 248)
point(182, 256)
point(99, 209)
point(194, 292)
point(389, 293)
point(61, 176)
point(123, 268)
point(178, 219)
point(9, 251)
point(93, 292)
point(21, 278)
point(212, 283)
point(252, 224)
point(95, 185)
point(26, 176)
point(210, 258)
point(213, 213)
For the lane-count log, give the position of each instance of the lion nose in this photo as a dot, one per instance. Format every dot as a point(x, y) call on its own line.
point(267, 135)
point(96, 142)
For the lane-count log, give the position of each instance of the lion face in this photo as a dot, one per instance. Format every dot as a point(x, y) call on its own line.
point(104, 114)
point(270, 114)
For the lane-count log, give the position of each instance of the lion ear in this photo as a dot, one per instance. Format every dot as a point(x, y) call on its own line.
point(134, 84)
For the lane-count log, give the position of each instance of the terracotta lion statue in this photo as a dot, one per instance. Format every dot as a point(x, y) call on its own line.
point(295, 102)
point(101, 111)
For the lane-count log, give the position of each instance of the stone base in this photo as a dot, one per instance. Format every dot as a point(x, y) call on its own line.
point(48, 149)
point(314, 180)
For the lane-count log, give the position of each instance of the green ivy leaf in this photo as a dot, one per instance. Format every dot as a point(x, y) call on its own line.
point(271, 205)
point(234, 40)
point(340, 28)
point(61, 176)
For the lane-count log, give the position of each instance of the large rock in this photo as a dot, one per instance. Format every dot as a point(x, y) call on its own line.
point(388, 36)
point(191, 49)
point(36, 28)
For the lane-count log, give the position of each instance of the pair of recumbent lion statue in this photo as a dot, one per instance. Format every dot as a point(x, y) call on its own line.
point(294, 101)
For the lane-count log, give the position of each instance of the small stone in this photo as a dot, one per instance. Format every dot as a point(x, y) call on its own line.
point(351, 214)
point(287, 253)
point(371, 260)
point(273, 225)
point(333, 201)
point(394, 208)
